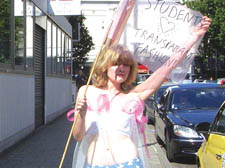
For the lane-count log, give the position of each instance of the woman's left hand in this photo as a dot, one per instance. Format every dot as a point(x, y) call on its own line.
point(202, 27)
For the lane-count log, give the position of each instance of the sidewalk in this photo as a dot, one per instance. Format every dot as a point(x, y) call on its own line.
point(44, 148)
point(158, 159)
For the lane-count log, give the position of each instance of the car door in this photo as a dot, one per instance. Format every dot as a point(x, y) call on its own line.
point(214, 152)
point(160, 116)
point(151, 106)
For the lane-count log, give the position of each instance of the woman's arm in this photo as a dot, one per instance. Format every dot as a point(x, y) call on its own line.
point(80, 113)
point(149, 86)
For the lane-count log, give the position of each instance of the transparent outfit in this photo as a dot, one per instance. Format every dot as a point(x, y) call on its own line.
point(114, 132)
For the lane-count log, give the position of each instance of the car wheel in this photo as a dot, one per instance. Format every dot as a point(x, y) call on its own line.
point(156, 135)
point(146, 116)
point(169, 151)
point(144, 112)
point(153, 120)
point(148, 119)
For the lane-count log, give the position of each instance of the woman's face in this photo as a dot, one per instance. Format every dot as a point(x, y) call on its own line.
point(118, 73)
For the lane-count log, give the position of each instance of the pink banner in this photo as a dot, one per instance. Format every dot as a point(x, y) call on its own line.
point(119, 21)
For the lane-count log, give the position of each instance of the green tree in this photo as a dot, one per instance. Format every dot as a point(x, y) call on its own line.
point(82, 47)
point(4, 31)
point(212, 49)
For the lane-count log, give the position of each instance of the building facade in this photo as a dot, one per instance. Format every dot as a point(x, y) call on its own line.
point(35, 68)
point(98, 16)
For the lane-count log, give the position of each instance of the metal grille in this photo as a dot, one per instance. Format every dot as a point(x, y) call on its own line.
point(39, 75)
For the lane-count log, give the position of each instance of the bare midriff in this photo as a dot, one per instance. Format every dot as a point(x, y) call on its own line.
point(110, 149)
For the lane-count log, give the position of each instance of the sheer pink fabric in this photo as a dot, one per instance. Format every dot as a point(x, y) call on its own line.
point(133, 106)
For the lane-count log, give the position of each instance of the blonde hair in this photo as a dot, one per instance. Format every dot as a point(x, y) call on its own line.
point(114, 55)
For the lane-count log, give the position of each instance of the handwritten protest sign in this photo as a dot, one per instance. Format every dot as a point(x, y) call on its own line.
point(156, 29)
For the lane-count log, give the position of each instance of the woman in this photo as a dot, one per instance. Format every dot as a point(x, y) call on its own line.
point(110, 122)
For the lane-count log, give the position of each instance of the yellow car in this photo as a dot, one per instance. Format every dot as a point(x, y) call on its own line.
point(211, 154)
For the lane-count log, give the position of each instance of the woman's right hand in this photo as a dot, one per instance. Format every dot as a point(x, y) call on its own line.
point(202, 27)
point(81, 110)
point(81, 106)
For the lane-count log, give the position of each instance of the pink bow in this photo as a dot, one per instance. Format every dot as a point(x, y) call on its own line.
point(69, 113)
point(103, 103)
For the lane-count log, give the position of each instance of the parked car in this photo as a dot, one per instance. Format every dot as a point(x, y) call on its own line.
point(212, 151)
point(210, 81)
point(141, 78)
point(221, 81)
point(181, 107)
point(151, 104)
point(198, 80)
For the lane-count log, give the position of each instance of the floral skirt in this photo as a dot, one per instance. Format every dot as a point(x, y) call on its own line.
point(135, 163)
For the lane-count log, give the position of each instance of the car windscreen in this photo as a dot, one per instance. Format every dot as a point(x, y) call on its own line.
point(197, 98)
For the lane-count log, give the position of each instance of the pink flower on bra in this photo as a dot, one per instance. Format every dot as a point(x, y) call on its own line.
point(133, 107)
point(136, 107)
point(103, 103)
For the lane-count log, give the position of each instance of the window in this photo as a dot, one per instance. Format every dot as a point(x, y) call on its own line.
point(163, 98)
point(5, 55)
point(68, 56)
point(53, 48)
point(29, 32)
point(59, 52)
point(17, 38)
point(19, 33)
point(13, 52)
point(58, 45)
point(49, 47)
point(220, 122)
point(63, 52)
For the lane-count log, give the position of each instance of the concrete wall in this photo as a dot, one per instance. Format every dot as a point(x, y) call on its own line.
point(16, 107)
point(17, 119)
point(58, 97)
